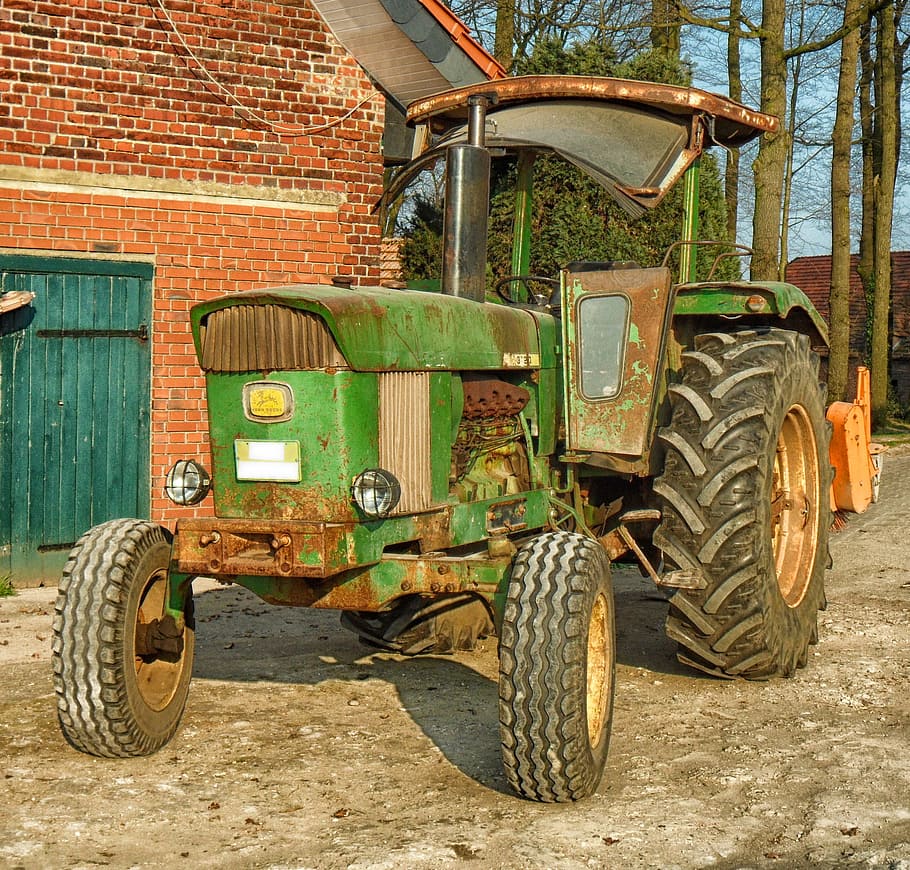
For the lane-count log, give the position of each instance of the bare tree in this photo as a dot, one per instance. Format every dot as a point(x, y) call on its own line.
point(839, 294)
point(735, 87)
point(510, 28)
point(883, 198)
point(769, 165)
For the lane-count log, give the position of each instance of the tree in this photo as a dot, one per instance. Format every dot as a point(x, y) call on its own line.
point(513, 28)
point(883, 198)
point(769, 165)
point(842, 142)
point(504, 38)
point(665, 26)
point(881, 69)
point(772, 152)
point(735, 89)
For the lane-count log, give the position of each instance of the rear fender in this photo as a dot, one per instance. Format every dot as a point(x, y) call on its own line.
point(766, 303)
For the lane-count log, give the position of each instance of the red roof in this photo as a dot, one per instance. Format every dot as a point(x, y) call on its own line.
point(462, 37)
point(813, 276)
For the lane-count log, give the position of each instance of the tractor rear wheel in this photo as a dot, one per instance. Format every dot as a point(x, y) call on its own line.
point(122, 666)
point(557, 656)
point(746, 503)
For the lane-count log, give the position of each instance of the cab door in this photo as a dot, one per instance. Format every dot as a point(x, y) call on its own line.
point(615, 323)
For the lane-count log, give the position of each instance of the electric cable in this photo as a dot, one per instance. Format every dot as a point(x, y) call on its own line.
point(237, 106)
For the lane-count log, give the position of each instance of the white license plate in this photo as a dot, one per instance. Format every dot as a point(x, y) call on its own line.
point(268, 460)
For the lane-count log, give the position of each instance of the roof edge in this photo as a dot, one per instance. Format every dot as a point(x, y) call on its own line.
point(460, 35)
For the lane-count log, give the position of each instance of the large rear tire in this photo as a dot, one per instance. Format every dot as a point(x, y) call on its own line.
point(746, 503)
point(557, 658)
point(122, 667)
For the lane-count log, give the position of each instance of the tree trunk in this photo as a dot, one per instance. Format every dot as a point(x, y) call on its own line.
point(869, 163)
point(504, 40)
point(768, 168)
point(788, 166)
point(735, 82)
point(665, 26)
point(886, 106)
point(839, 294)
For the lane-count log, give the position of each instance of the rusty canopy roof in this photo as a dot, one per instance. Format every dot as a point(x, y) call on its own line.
point(729, 123)
point(634, 138)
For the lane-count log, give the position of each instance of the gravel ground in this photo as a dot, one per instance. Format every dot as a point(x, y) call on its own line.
point(300, 748)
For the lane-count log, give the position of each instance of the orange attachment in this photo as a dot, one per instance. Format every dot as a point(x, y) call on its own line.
point(856, 460)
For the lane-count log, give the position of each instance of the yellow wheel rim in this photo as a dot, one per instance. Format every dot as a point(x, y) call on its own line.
point(157, 676)
point(795, 505)
point(599, 668)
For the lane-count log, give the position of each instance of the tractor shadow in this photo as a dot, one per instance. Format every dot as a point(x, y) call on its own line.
point(453, 700)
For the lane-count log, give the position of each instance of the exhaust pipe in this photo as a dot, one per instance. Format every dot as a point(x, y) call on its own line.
point(464, 255)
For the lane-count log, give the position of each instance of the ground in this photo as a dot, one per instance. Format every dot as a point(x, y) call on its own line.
point(301, 749)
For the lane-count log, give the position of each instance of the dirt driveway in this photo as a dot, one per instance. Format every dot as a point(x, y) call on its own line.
point(299, 749)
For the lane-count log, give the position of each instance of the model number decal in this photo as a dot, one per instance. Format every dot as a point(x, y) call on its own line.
point(521, 360)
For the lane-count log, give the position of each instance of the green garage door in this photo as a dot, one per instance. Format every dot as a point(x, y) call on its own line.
point(74, 406)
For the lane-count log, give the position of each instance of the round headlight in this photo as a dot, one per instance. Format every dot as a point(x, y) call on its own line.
point(376, 492)
point(187, 482)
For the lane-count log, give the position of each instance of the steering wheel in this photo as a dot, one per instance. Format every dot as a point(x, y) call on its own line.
point(541, 299)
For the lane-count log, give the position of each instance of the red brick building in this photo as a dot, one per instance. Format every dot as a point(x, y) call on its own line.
point(154, 153)
point(813, 276)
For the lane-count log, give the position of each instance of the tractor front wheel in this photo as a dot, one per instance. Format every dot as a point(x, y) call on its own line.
point(557, 657)
point(122, 665)
point(746, 503)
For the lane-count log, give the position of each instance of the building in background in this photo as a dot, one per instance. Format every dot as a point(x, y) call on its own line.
point(154, 153)
point(813, 276)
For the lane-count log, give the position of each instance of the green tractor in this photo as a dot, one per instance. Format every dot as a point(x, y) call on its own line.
point(437, 466)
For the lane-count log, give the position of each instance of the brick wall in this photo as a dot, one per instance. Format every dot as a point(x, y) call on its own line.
point(233, 144)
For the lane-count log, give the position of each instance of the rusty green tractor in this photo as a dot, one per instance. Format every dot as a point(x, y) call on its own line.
point(442, 465)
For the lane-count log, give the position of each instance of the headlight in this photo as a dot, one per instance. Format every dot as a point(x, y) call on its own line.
point(187, 482)
point(376, 492)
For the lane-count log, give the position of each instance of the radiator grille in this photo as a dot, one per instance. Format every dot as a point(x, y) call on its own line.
point(404, 436)
point(260, 338)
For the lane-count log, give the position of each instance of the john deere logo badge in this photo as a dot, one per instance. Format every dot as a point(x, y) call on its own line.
point(268, 401)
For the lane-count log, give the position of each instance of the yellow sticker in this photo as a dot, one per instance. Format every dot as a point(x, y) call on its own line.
point(266, 402)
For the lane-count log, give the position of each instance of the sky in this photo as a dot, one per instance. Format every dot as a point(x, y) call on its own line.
point(810, 225)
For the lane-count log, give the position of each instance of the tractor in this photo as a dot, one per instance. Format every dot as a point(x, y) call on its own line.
point(438, 466)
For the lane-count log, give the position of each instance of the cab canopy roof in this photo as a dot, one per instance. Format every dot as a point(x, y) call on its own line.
point(634, 138)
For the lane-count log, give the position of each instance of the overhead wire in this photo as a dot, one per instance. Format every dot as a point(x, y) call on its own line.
point(237, 106)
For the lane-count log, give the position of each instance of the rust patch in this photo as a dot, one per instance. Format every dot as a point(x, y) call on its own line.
point(488, 397)
point(735, 123)
point(219, 547)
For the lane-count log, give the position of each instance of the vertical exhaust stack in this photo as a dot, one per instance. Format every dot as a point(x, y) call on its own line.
point(464, 255)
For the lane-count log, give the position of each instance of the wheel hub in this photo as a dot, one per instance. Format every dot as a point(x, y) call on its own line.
point(158, 652)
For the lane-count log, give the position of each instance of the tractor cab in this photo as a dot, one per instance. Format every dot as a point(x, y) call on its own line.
point(635, 139)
